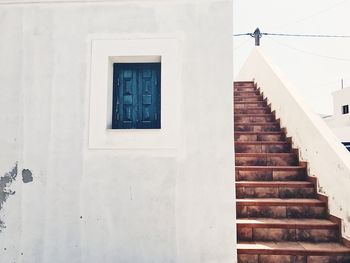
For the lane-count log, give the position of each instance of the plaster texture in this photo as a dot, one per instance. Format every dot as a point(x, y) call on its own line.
point(85, 204)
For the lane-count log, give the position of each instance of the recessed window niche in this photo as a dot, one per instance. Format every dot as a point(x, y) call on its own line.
point(140, 114)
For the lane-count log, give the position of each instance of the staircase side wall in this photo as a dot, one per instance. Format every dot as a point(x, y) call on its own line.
point(327, 159)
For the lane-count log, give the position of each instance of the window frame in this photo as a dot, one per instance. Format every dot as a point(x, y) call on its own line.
point(104, 50)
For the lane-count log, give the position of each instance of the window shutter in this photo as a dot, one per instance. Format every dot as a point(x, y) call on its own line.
point(136, 96)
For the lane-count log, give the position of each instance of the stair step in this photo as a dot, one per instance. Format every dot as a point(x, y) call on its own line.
point(259, 136)
point(280, 208)
point(292, 252)
point(249, 99)
point(257, 127)
point(244, 85)
point(253, 115)
point(270, 173)
point(256, 110)
point(249, 104)
point(266, 159)
point(240, 83)
point(277, 189)
point(301, 223)
point(280, 202)
point(248, 93)
point(296, 184)
point(270, 229)
point(245, 88)
point(254, 118)
point(244, 258)
point(262, 147)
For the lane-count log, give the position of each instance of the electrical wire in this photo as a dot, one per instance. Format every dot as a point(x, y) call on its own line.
point(312, 53)
point(242, 34)
point(305, 35)
point(314, 14)
point(293, 35)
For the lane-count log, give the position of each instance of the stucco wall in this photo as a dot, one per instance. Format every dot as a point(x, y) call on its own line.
point(114, 205)
point(340, 123)
point(340, 98)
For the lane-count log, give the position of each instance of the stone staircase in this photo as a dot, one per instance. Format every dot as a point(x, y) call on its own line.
point(280, 216)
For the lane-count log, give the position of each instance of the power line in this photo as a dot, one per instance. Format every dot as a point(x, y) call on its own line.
point(311, 53)
point(315, 14)
point(305, 35)
point(258, 35)
point(293, 35)
point(242, 34)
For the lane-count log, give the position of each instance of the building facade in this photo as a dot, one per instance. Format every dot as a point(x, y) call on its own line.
point(78, 188)
point(339, 122)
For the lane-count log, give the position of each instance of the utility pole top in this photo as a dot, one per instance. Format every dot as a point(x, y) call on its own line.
point(257, 35)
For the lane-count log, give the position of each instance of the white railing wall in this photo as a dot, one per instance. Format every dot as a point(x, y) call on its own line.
point(327, 159)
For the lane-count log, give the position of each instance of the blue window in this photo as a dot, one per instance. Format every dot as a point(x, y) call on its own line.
point(136, 96)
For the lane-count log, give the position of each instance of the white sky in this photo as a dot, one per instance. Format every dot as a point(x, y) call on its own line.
point(315, 77)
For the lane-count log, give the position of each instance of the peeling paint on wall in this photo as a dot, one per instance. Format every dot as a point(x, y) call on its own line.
point(5, 192)
point(27, 176)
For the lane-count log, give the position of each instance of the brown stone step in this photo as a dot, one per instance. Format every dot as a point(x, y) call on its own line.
point(257, 110)
point(259, 136)
point(244, 88)
point(262, 147)
point(257, 127)
point(281, 201)
point(292, 252)
point(275, 189)
point(249, 104)
point(266, 159)
point(248, 93)
point(280, 208)
point(290, 223)
point(282, 229)
point(270, 173)
point(249, 99)
point(254, 118)
point(243, 82)
point(238, 84)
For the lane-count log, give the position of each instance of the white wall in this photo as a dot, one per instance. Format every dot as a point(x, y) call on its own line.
point(339, 122)
point(340, 125)
point(327, 159)
point(114, 205)
point(340, 98)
